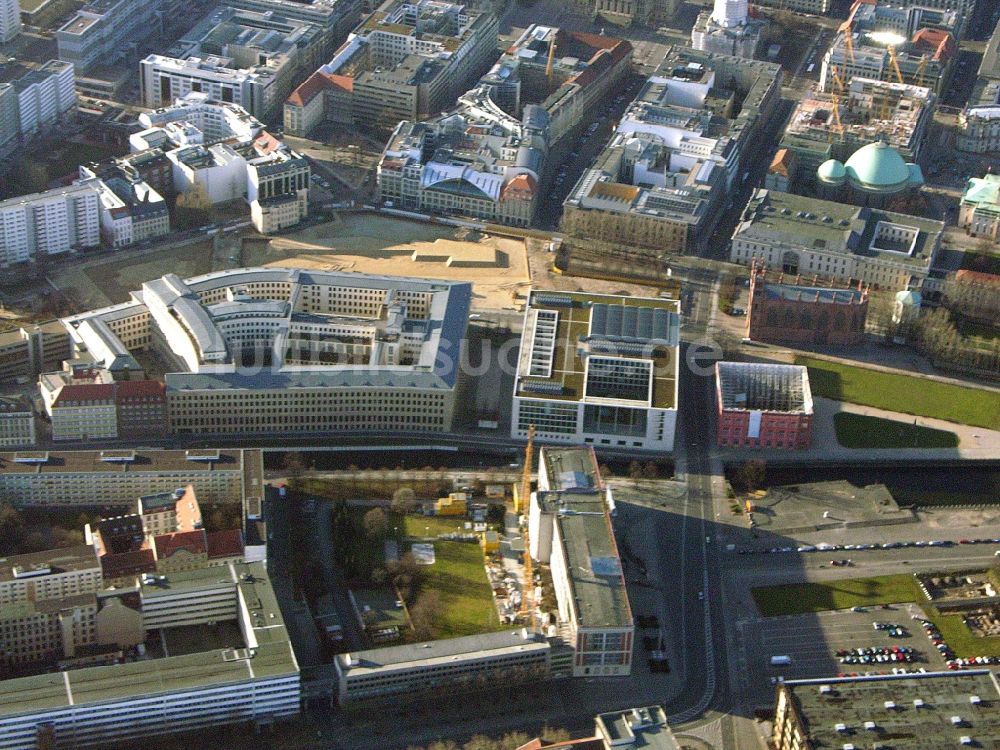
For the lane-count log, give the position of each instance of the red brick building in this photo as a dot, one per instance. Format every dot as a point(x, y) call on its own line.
point(797, 313)
point(763, 405)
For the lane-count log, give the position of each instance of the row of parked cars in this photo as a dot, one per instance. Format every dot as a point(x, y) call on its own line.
point(877, 655)
point(949, 656)
point(823, 547)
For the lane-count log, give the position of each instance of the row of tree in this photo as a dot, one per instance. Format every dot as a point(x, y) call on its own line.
point(509, 741)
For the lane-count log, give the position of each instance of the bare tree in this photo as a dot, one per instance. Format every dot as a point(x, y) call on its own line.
point(403, 500)
point(375, 524)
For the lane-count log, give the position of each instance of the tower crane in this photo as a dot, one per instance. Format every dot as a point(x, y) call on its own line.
point(528, 587)
point(895, 63)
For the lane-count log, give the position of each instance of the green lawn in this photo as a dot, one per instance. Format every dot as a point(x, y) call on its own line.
point(802, 598)
point(960, 638)
point(903, 393)
point(424, 526)
point(459, 578)
point(860, 431)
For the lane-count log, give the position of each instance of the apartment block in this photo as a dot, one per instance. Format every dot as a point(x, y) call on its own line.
point(60, 220)
point(53, 574)
point(660, 183)
point(570, 530)
point(335, 17)
point(615, 383)
point(634, 12)
point(816, 7)
point(103, 32)
point(763, 405)
point(10, 20)
point(409, 60)
point(46, 96)
point(78, 478)
point(803, 236)
point(131, 210)
point(277, 350)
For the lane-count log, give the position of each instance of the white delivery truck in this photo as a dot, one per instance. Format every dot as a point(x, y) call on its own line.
point(780, 661)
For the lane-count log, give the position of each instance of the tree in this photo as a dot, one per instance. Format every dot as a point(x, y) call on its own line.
point(651, 470)
point(295, 466)
point(375, 524)
point(555, 734)
point(12, 529)
point(635, 471)
point(424, 615)
point(404, 500)
point(750, 475)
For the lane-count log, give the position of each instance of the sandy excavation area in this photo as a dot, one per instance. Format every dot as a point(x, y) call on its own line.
point(369, 243)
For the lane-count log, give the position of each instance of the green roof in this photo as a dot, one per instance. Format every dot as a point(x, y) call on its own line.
point(878, 167)
point(831, 171)
point(983, 190)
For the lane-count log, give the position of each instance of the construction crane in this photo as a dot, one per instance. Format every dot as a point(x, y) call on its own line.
point(895, 63)
point(921, 67)
point(551, 61)
point(837, 80)
point(528, 588)
point(837, 124)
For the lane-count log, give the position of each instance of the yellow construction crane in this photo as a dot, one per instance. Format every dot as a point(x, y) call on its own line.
point(838, 82)
point(528, 588)
point(551, 61)
point(895, 63)
point(837, 125)
point(921, 67)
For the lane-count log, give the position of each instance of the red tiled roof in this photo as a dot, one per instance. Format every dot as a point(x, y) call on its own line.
point(128, 563)
point(523, 183)
point(86, 392)
point(133, 389)
point(168, 544)
point(604, 60)
point(317, 82)
point(226, 543)
point(188, 510)
point(938, 40)
point(783, 162)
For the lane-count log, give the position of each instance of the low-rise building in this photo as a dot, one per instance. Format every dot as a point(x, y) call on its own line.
point(979, 211)
point(598, 369)
point(334, 17)
point(763, 405)
point(30, 350)
point(801, 236)
point(974, 296)
point(917, 710)
point(633, 12)
point(322, 98)
point(131, 210)
point(474, 661)
point(569, 522)
point(797, 312)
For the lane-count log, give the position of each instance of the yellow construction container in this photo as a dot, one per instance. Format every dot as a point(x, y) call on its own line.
point(490, 542)
point(453, 505)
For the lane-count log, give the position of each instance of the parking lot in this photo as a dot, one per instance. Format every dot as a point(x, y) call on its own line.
point(812, 643)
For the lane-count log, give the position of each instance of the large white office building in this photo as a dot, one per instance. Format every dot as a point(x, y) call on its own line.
point(105, 31)
point(281, 350)
point(599, 370)
point(51, 223)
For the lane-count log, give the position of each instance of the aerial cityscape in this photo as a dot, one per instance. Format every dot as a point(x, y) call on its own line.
point(499, 374)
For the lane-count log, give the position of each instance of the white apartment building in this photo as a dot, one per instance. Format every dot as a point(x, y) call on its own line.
point(76, 478)
point(277, 190)
point(105, 31)
point(570, 530)
point(45, 97)
point(258, 89)
point(214, 119)
point(17, 423)
point(599, 370)
point(287, 350)
point(805, 236)
point(57, 221)
point(10, 20)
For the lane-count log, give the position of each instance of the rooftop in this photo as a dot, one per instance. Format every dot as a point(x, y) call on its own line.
point(637, 728)
point(573, 340)
point(926, 711)
point(37, 564)
point(746, 386)
point(52, 462)
point(429, 654)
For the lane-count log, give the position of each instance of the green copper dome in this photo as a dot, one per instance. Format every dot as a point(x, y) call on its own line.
point(832, 171)
point(877, 168)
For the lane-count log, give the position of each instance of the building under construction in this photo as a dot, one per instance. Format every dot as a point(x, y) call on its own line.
point(835, 124)
point(763, 405)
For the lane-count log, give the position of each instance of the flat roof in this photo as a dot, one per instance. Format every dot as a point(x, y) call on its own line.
point(361, 663)
point(66, 559)
point(971, 696)
point(564, 329)
point(755, 386)
point(151, 461)
point(644, 728)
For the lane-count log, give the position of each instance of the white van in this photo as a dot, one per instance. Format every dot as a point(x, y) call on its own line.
point(780, 661)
